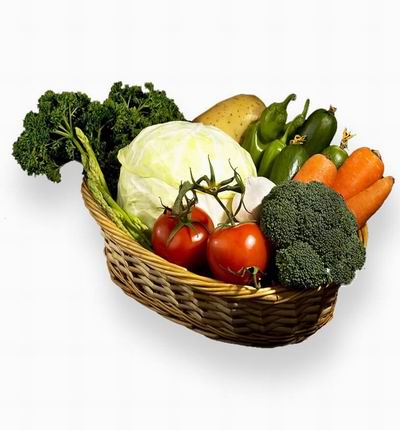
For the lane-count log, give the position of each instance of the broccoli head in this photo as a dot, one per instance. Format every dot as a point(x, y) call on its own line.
point(314, 219)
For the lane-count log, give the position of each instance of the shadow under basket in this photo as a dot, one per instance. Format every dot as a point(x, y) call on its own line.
point(267, 317)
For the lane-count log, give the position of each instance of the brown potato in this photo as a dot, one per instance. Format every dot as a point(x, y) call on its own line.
point(233, 115)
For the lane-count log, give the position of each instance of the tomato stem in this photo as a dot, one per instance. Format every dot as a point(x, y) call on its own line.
point(183, 205)
point(255, 271)
point(180, 209)
point(213, 188)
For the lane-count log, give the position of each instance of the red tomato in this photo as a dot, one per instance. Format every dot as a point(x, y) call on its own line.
point(188, 247)
point(233, 252)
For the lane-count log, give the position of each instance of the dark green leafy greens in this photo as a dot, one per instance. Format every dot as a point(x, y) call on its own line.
point(109, 126)
point(39, 149)
point(69, 126)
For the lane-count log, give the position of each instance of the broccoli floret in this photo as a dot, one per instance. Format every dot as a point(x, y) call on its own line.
point(342, 254)
point(275, 221)
point(299, 266)
point(317, 217)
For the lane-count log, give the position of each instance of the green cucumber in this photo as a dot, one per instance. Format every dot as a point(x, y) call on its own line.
point(338, 154)
point(288, 162)
point(319, 129)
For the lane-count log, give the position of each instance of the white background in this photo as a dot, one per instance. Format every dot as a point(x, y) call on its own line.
point(75, 352)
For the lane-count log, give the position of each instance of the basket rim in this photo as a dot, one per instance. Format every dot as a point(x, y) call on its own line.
point(275, 293)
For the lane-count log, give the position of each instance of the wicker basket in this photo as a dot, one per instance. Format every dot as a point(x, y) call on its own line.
point(266, 317)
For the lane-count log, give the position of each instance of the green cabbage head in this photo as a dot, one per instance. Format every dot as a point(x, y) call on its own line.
point(160, 157)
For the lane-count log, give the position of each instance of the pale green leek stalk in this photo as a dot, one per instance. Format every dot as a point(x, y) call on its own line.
point(99, 189)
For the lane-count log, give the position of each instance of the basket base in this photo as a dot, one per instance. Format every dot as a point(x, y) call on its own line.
point(262, 340)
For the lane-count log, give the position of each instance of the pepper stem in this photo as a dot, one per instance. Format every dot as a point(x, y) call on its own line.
point(332, 109)
point(306, 106)
point(288, 99)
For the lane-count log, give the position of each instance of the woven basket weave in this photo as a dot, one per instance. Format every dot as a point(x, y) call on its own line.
point(266, 317)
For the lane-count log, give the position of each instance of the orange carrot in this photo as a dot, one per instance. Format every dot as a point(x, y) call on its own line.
point(364, 204)
point(317, 168)
point(363, 167)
